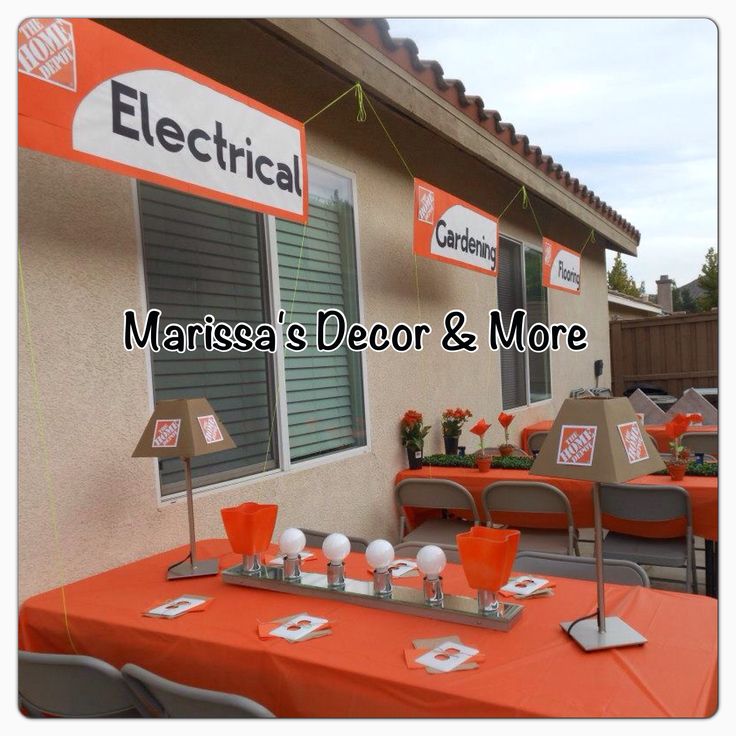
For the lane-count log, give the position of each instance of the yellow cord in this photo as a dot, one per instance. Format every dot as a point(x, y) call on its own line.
point(44, 449)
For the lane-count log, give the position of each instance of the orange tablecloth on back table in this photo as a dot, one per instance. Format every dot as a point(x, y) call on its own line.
point(655, 430)
point(703, 493)
point(532, 670)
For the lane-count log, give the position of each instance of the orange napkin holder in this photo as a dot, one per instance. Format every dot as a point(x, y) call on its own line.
point(250, 526)
point(487, 556)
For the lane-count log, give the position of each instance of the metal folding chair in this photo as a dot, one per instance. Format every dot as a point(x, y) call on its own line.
point(645, 503)
point(434, 494)
point(580, 568)
point(535, 441)
point(315, 539)
point(72, 686)
point(531, 497)
point(705, 442)
point(158, 697)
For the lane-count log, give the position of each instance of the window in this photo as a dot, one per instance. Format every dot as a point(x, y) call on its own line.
point(525, 377)
point(204, 257)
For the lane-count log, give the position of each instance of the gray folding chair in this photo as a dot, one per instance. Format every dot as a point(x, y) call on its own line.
point(535, 441)
point(315, 539)
point(158, 697)
point(705, 442)
point(72, 686)
point(580, 568)
point(520, 496)
point(647, 503)
point(495, 452)
point(410, 549)
point(434, 494)
point(669, 457)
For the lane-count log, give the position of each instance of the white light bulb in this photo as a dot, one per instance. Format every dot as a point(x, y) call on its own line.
point(431, 560)
point(336, 548)
point(292, 542)
point(379, 554)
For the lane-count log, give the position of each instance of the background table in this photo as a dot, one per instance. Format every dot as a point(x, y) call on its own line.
point(359, 671)
point(656, 431)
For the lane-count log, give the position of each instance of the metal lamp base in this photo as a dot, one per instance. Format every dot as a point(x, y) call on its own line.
point(199, 569)
point(617, 634)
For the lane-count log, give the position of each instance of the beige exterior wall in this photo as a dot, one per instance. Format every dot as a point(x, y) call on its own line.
point(82, 266)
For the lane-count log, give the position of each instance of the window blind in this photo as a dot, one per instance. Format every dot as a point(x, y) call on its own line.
point(203, 257)
point(510, 297)
point(324, 391)
point(536, 307)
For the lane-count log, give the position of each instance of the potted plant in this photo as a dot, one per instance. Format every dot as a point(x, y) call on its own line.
point(482, 460)
point(413, 432)
point(680, 454)
point(452, 424)
point(504, 420)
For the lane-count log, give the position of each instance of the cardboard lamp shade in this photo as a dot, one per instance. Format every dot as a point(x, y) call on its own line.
point(598, 440)
point(183, 428)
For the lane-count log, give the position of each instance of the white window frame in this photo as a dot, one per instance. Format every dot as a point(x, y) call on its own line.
point(286, 466)
point(527, 376)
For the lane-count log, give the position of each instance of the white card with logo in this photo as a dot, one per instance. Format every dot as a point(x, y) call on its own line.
point(524, 586)
point(401, 567)
point(446, 656)
point(280, 560)
point(298, 627)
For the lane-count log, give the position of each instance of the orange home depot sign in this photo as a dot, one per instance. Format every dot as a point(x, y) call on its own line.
point(91, 95)
point(561, 267)
point(577, 444)
point(166, 433)
point(630, 433)
point(453, 231)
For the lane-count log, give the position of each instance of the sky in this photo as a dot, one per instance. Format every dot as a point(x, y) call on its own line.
point(628, 106)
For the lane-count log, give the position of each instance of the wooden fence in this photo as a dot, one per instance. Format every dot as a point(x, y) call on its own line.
point(674, 353)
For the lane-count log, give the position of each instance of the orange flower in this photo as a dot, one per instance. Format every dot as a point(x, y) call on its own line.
point(695, 418)
point(480, 427)
point(677, 425)
point(505, 419)
point(411, 417)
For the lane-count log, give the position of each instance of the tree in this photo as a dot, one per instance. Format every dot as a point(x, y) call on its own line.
point(708, 281)
point(619, 278)
point(682, 301)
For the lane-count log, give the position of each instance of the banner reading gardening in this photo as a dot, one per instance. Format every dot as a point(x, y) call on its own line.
point(88, 94)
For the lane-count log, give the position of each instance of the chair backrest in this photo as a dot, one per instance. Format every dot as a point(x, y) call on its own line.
point(645, 503)
point(72, 686)
point(580, 568)
point(432, 493)
point(525, 497)
point(669, 457)
point(535, 441)
point(162, 698)
point(495, 452)
point(315, 539)
point(410, 549)
point(701, 442)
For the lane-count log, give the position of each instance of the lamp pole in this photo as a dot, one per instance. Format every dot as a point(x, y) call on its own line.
point(599, 556)
point(190, 509)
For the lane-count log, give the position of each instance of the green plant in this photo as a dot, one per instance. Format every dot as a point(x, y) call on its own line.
point(453, 420)
point(413, 430)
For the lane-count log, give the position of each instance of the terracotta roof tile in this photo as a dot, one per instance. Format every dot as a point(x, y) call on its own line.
point(405, 53)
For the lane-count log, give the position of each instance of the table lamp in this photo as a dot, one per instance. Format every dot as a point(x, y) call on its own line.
point(598, 440)
point(185, 428)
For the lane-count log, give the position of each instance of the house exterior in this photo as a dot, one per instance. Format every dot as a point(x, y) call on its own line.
point(318, 435)
point(623, 306)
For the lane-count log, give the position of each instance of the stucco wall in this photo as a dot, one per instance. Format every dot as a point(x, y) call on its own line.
point(79, 241)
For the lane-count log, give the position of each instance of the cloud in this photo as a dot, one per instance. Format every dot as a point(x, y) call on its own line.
point(628, 106)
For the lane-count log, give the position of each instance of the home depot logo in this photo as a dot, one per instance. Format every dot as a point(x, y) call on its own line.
point(634, 445)
point(166, 433)
point(577, 444)
point(46, 51)
point(425, 209)
point(210, 430)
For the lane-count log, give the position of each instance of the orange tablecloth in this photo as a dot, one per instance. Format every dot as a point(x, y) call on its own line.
point(359, 671)
point(703, 494)
point(656, 431)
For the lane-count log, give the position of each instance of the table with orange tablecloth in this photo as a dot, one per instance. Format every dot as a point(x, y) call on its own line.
point(703, 494)
point(533, 670)
point(662, 441)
